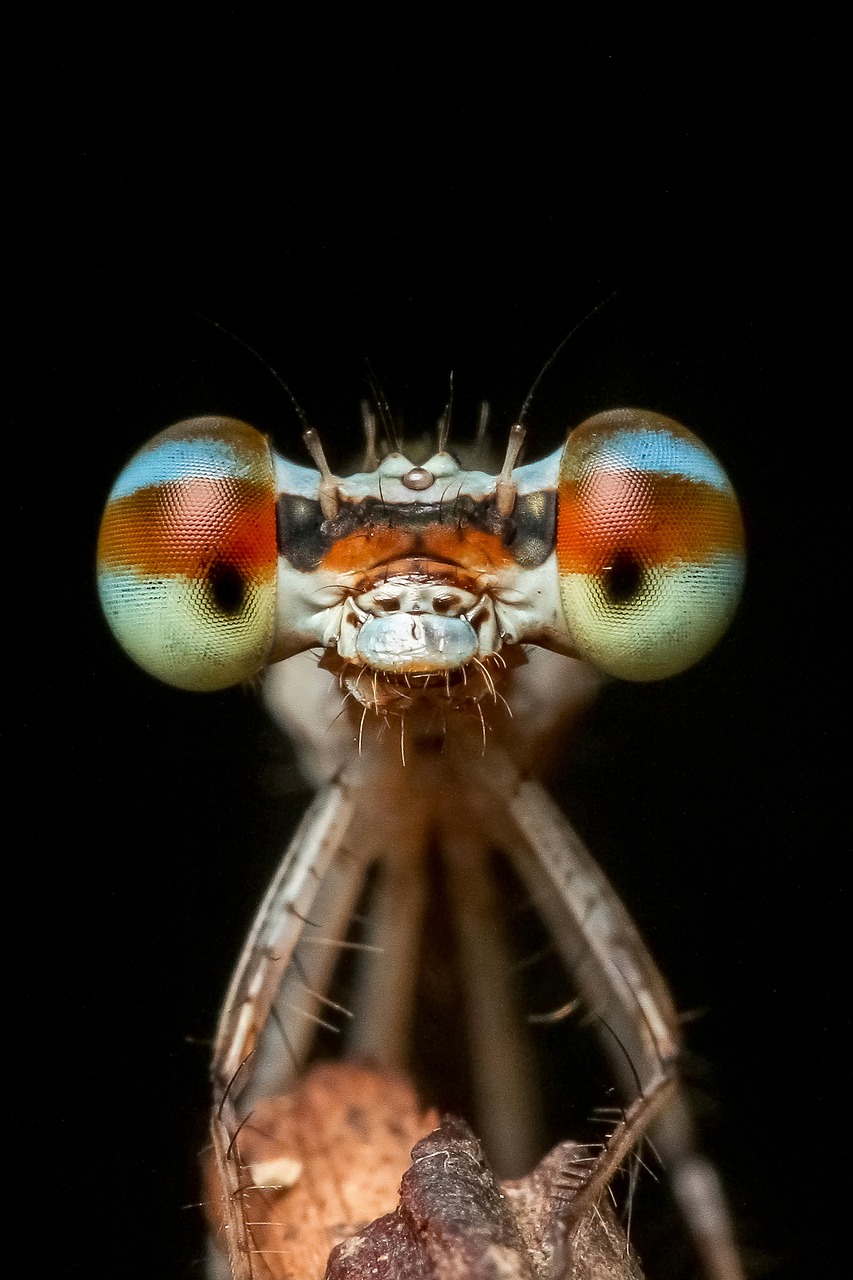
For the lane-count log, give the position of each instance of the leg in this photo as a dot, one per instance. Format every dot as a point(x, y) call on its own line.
point(276, 930)
point(621, 986)
point(508, 1119)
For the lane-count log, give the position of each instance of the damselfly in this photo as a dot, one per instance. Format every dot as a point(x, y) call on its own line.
point(427, 625)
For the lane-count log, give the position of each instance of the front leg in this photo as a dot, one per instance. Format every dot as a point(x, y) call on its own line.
point(621, 987)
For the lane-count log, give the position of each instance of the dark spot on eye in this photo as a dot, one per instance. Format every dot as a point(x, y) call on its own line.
point(441, 604)
point(227, 587)
point(387, 604)
point(623, 578)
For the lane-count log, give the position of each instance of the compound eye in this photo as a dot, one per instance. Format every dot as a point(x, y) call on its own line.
point(187, 554)
point(650, 544)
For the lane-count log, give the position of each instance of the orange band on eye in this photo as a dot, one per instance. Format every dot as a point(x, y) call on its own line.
point(171, 529)
point(663, 519)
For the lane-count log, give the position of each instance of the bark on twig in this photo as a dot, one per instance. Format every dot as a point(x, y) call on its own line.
point(348, 1177)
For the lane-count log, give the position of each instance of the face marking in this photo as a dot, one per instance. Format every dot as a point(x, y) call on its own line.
point(373, 530)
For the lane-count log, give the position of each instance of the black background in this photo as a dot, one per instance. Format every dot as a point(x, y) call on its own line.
point(433, 208)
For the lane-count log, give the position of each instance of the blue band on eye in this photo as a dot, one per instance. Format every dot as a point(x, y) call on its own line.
point(666, 454)
point(173, 460)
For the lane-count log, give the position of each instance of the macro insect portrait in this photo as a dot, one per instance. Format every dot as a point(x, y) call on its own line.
point(426, 625)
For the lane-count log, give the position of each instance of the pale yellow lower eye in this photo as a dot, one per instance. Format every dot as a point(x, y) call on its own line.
point(649, 545)
point(187, 554)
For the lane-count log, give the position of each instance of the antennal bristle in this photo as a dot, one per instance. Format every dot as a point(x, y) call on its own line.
point(256, 355)
point(368, 422)
point(552, 359)
point(505, 489)
point(384, 411)
point(482, 424)
point(444, 421)
point(328, 491)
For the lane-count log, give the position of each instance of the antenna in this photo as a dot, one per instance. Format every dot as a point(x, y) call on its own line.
point(505, 488)
point(328, 491)
point(241, 342)
point(599, 306)
point(368, 423)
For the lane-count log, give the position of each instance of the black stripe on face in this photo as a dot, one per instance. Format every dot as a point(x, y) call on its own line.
point(299, 531)
point(535, 520)
point(304, 537)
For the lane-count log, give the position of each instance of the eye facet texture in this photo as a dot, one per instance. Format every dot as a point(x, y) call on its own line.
point(187, 554)
point(650, 544)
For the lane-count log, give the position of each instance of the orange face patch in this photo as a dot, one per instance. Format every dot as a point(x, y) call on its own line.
point(469, 548)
